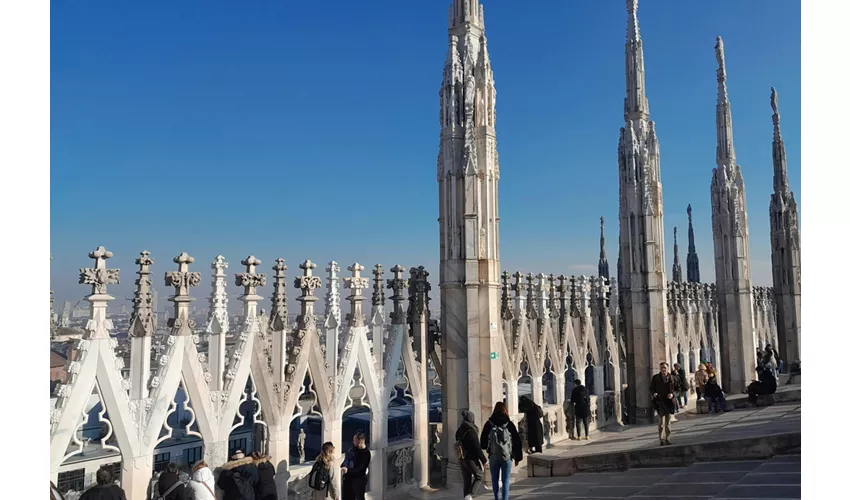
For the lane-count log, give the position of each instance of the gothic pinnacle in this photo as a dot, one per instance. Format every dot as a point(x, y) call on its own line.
point(780, 166)
point(692, 258)
point(603, 258)
point(725, 144)
point(677, 266)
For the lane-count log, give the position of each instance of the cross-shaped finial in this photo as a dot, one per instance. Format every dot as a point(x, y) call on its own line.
point(519, 285)
point(378, 285)
point(250, 279)
point(251, 263)
point(183, 260)
point(355, 282)
point(279, 268)
point(308, 267)
point(182, 279)
point(99, 276)
point(144, 261)
point(307, 282)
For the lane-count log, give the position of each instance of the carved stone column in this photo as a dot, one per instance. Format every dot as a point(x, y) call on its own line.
point(142, 328)
point(218, 324)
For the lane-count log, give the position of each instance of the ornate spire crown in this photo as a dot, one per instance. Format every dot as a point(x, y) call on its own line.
point(142, 320)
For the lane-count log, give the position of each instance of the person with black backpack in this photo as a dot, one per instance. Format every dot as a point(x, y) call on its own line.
point(170, 487)
point(469, 454)
point(581, 408)
point(501, 440)
point(322, 477)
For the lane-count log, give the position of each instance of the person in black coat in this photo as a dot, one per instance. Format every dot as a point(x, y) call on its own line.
point(265, 489)
point(581, 408)
point(169, 482)
point(533, 424)
point(663, 388)
point(766, 384)
point(355, 469)
point(714, 396)
point(238, 478)
point(105, 489)
point(473, 461)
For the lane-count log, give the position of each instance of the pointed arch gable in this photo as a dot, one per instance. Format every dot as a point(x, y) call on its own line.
point(78, 397)
point(115, 399)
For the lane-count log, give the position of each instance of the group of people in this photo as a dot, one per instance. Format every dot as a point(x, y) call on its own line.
point(707, 387)
point(246, 478)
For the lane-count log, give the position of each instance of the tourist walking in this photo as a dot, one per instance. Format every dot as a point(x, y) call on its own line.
point(469, 454)
point(105, 489)
point(266, 489)
point(683, 387)
point(170, 487)
point(663, 389)
point(504, 447)
point(322, 478)
point(202, 483)
point(533, 424)
point(580, 400)
point(766, 384)
point(714, 396)
point(238, 478)
point(700, 378)
point(355, 469)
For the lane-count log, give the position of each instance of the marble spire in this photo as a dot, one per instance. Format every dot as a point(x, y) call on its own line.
point(785, 247)
point(603, 258)
point(641, 267)
point(692, 258)
point(677, 266)
point(730, 232)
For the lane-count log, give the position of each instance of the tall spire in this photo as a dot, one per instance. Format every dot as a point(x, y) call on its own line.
point(780, 166)
point(677, 266)
point(692, 258)
point(725, 146)
point(636, 105)
point(603, 259)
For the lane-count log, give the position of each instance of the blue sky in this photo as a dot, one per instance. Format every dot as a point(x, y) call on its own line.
point(310, 129)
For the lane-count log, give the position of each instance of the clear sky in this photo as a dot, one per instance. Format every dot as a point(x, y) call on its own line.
point(309, 129)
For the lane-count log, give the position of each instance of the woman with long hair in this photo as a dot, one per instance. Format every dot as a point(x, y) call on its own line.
point(202, 482)
point(325, 461)
point(501, 440)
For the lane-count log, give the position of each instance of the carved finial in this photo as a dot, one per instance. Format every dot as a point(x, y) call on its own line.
point(218, 298)
point(307, 283)
point(397, 284)
point(251, 279)
point(690, 214)
point(356, 284)
point(142, 320)
point(378, 297)
point(279, 319)
point(182, 280)
point(99, 276)
point(632, 29)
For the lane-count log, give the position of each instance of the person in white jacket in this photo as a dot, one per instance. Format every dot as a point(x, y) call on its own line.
point(203, 482)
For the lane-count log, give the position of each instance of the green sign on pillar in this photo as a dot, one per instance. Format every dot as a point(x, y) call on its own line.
point(494, 355)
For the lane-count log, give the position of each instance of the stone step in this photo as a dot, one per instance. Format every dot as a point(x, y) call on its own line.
point(784, 394)
point(761, 447)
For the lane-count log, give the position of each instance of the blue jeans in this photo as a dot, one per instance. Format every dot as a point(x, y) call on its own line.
point(719, 404)
point(503, 468)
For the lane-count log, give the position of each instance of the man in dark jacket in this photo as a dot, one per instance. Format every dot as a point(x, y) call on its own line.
point(766, 384)
point(106, 489)
point(581, 408)
point(473, 461)
point(169, 485)
point(355, 468)
point(663, 388)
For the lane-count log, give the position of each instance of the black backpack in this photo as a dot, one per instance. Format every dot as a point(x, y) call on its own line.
point(319, 476)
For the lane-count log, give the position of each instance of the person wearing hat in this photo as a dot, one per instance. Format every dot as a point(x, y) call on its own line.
point(238, 478)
